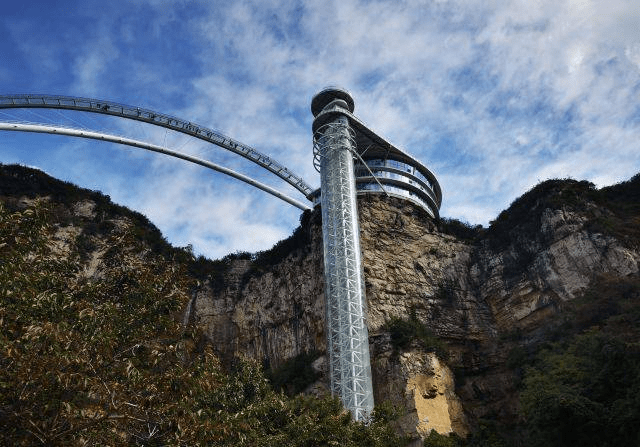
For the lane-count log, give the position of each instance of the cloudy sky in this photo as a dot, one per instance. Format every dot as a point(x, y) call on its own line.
point(493, 96)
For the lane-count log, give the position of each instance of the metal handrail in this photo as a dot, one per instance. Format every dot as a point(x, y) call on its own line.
point(70, 131)
point(157, 119)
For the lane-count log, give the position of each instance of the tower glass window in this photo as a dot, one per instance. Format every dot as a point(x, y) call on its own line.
point(401, 177)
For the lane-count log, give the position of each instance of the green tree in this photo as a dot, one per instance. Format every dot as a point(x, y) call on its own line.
point(584, 391)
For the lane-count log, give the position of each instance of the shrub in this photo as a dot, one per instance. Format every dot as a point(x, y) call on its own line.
point(295, 374)
point(464, 231)
point(403, 332)
point(435, 439)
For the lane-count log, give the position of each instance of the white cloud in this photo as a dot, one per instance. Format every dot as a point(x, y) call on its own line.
point(494, 96)
point(202, 208)
point(91, 65)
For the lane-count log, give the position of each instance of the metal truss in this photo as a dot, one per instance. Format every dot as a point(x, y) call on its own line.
point(157, 119)
point(347, 334)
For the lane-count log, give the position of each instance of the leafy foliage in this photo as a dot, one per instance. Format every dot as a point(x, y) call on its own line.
point(582, 388)
point(486, 435)
point(435, 439)
point(585, 391)
point(295, 375)
point(404, 332)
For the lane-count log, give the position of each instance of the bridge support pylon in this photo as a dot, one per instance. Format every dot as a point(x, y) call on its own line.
point(347, 334)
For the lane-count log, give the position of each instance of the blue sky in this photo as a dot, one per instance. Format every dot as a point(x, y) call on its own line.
point(493, 96)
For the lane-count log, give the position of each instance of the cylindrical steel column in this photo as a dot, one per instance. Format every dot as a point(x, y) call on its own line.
point(347, 335)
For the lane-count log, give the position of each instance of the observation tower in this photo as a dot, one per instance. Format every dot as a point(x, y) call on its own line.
point(379, 166)
point(339, 138)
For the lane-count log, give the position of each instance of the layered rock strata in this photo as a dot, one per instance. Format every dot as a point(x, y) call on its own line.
point(469, 295)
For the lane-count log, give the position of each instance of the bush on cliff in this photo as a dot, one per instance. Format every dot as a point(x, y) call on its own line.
point(584, 391)
point(404, 332)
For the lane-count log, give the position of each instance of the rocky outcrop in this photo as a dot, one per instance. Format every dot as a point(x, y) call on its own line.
point(420, 383)
point(559, 264)
point(468, 294)
point(483, 296)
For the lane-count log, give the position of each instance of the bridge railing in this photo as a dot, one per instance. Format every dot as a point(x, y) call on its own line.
point(158, 119)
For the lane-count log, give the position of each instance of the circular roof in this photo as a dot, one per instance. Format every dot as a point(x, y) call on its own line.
point(327, 95)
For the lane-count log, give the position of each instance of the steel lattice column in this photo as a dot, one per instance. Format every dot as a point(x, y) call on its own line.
point(347, 335)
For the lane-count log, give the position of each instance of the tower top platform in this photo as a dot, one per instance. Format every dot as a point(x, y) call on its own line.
point(381, 168)
point(329, 94)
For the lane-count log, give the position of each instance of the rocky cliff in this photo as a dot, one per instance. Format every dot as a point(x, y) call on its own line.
point(473, 293)
point(94, 349)
point(452, 309)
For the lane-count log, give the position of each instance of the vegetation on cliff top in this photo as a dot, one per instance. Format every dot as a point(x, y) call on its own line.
point(463, 231)
point(612, 210)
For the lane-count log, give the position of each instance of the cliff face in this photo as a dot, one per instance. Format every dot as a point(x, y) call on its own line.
point(271, 315)
point(446, 309)
point(559, 265)
point(473, 295)
point(93, 349)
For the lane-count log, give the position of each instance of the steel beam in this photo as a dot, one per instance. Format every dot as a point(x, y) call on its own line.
point(157, 119)
point(68, 131)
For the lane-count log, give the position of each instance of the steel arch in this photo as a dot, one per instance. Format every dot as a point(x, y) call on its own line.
point(69, 131)
point(157, 119)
